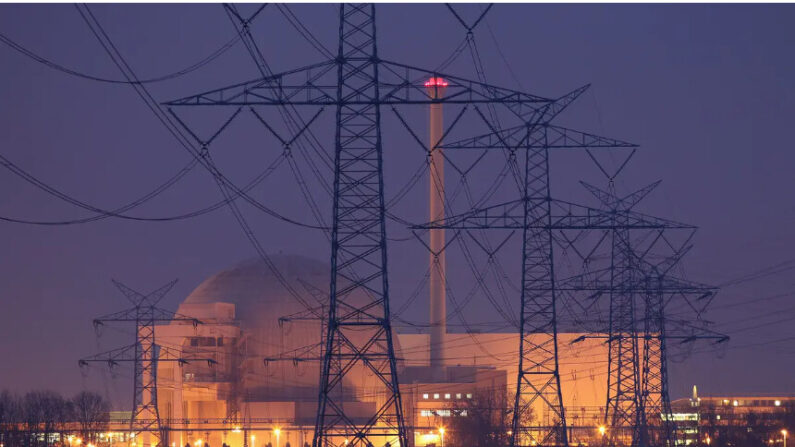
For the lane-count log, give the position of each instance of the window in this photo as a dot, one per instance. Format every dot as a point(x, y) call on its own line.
point(458, 395)
point(206, 341)
point(435, 413)
point(425, 396)
point(447, 395)
point(435, 395)
point(469, 395)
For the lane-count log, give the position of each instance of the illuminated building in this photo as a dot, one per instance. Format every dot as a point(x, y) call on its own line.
point(737, 417)
point(247, 395)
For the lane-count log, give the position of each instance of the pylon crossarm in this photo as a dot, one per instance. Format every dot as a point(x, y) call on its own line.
point(140, 299)
point(599, 281)
point(542, 136)
point(565, 216)
point(127, 354)
point(157, 315)
point(316, 84)
point(713, 336)
point(271, 90)
point(611, 201)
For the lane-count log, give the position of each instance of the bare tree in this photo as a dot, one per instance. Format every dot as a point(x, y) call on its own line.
point(90, 410)
point(45, 413)
point(482, 421)
point(10, 416)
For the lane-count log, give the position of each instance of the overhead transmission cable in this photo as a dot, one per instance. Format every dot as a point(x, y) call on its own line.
point(191, 68)
point(200, 155)
point(119, 212)
point(169, 122)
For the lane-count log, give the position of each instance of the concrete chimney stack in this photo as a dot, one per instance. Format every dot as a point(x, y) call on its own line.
point(435, 87)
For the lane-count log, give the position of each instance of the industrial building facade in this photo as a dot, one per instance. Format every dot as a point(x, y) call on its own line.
point(265, 377)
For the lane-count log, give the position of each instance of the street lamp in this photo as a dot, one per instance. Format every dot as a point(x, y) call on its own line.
point(441, 435)
point(252, 440)
point(784, 433)
point(277, 432)
point(602, 430)
point(708, 440)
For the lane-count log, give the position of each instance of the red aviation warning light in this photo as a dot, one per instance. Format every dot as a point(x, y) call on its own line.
point(436, 82)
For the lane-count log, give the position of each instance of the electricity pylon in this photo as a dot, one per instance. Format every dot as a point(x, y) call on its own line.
point(537, 215)
point(638, 409)
point(144, 354)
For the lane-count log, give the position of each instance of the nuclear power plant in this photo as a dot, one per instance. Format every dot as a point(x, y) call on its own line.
point(283, 350)
point(267, 369)
point(266, 364)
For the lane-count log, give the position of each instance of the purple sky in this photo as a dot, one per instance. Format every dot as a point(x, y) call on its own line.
point(707, 90)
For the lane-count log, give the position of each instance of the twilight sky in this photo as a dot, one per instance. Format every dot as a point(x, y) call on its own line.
point(706, 90)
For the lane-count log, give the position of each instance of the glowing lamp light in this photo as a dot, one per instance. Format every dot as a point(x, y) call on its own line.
point(436, 82)
point(198, 442)
point(276, 431)
point(602, 430)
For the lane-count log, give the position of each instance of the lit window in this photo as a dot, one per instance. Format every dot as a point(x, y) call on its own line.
point(425, 396)
point(718, 417)
point(777, 403)
point(458, 395)
point(469, 395)
point(447, 395)
point(435, 395)
point(735, 403)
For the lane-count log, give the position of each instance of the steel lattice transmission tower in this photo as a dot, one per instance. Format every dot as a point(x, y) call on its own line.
point(358, 334)
point(623, 409)
point(657, 425)
point(655, 399)
point(537, 215)
point(639, 284)
point(144, 354)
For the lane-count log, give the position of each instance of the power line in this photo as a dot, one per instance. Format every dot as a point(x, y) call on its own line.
point(189, 69)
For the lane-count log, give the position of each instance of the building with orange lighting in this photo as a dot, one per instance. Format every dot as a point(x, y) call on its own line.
point(267, 366)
